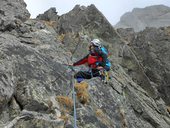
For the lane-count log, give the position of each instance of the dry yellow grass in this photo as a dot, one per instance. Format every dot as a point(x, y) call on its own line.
point(103, 118)
point(65, 103)
point(83, 97)
point(124, 121)
point(99, 113)
point(64, 117)
point(50, 105)
point(82, 92)
point(168, 109)
point(81, 86)
point(167, 31)
point(61, 37)
point(50, 23)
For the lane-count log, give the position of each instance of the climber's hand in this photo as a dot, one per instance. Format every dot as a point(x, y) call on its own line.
point(99, 67)
point(69, 64)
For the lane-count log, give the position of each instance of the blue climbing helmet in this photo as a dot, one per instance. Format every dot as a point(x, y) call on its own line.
point(96, 42)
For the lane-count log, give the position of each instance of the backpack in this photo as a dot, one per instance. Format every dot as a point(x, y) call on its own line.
point(105, 51)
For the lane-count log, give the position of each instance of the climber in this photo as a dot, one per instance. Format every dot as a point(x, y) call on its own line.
point(97, 60)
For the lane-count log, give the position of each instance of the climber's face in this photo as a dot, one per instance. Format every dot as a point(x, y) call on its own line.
point(91, 48)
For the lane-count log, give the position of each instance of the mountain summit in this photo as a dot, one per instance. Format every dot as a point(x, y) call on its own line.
point(140, 18)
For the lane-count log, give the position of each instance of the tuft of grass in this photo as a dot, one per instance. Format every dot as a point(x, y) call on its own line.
point(65, 103)
point(83, 97)
point(50, 23)
point(167, 31)
point(61, 38)
point(168, 109)
point(64, 117)
point(81, 86)
point(123, 118)
point(82, 92)
point(50, 105)
point(103, 118)
point(99, 113)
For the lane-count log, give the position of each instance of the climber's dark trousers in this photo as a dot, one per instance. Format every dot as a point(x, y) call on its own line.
point(86, 74)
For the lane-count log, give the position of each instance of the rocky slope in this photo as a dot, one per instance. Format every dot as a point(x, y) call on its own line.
point(151, 48)
point(140, 18)
point(33, 72)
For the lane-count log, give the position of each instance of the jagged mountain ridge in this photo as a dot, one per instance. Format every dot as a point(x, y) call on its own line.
point(140, 18)
point(33, 54)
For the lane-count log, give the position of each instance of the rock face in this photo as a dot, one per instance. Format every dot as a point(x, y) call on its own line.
point(151, 47)
point(33, 73)
point(12, 13)
point(49, 15)
point(140, 18)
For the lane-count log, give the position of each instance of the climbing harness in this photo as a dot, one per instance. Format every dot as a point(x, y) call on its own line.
point(103, 74)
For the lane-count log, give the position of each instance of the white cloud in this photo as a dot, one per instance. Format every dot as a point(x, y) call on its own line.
point(112, 9)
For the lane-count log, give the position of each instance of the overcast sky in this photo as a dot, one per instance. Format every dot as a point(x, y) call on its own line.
point(112, 9)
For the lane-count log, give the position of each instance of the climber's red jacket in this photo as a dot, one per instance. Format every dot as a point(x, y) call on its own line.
point(93, 60)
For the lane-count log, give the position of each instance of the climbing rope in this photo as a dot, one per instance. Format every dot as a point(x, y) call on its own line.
point(74, 95)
